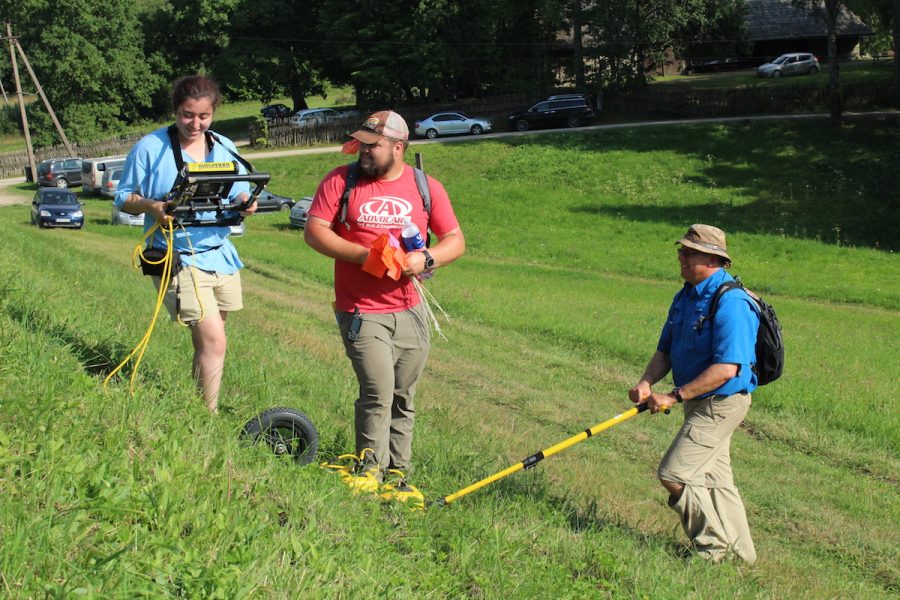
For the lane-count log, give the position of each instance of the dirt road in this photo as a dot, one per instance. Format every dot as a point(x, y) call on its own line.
point(6, 197)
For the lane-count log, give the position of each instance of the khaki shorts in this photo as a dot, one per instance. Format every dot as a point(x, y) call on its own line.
point(194, 293)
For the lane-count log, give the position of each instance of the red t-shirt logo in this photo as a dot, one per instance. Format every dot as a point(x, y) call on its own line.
point(383, 212)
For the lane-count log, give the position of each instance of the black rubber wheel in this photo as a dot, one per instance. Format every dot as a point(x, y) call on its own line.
point(522, 125)
point(431, 134)
point(286, 431)
point(477, 129)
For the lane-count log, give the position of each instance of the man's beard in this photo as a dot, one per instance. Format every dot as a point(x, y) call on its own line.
point(372, 170)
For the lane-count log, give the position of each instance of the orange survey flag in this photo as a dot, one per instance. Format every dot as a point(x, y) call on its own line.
point(385, 257)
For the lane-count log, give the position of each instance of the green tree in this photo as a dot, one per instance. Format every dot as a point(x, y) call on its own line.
point(829, 11)
point(417, 50)
point(190, 34)
point(885, 16)
point(721, 31)
point(96, 81)
point(629, 35)
point(273, 52)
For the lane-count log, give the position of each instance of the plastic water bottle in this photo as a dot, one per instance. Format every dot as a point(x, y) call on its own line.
point(412, 237)
point(412, 241)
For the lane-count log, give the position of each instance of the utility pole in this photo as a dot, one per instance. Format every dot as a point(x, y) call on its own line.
point(15, 68)
point(40, 90)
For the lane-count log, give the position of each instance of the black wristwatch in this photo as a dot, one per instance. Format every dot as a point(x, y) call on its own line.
point(429, 260)
point(677, 393)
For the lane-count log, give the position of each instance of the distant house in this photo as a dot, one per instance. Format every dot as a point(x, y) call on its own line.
point(772, 27)
point(778, 26)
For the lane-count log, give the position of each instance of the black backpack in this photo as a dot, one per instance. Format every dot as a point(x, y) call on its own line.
point(769, 345)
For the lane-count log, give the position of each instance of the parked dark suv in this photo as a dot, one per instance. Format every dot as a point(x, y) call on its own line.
point(275, 111)
point(572, 110)
point(59, 172)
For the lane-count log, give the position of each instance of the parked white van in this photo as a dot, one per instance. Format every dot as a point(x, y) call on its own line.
point(92, 173)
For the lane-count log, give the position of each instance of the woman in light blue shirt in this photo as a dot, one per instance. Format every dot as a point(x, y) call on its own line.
point(208, 286)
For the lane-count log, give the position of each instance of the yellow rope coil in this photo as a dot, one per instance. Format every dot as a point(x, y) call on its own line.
point(168, 233)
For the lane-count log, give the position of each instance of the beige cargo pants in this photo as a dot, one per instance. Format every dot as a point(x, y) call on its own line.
point(710, 507)
point(388, 356)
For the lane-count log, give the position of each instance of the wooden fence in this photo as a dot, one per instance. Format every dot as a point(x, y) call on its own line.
point(282, 133)
point(14, 164)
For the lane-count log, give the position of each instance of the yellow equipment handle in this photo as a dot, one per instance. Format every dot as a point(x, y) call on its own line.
point(536, 458)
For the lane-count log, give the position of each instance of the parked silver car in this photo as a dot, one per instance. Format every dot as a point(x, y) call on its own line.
point(92, 171)
point(110, 181)
point(795, 63)
point(449, 123)
point(300, 211)
point(314, 116)
point(120, 217)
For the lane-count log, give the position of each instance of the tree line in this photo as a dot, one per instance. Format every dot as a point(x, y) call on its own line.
point(108, 64)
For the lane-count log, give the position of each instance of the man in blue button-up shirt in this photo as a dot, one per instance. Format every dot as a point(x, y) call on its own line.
point(711, 363)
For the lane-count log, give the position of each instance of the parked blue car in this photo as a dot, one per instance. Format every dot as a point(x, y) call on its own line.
point(56, 207)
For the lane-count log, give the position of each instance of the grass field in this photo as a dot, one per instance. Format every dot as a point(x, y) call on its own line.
point(555, 309)
point(851, 73)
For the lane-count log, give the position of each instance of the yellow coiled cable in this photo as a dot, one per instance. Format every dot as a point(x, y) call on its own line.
point(167, 262)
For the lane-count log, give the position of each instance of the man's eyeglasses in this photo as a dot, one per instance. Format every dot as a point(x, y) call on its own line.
point(688, 252)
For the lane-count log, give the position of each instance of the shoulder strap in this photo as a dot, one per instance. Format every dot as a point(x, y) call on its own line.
point(176, 148)
point(211, 139)
point(422, 184)
point(424, 191)
point(714, 303)
point(349, 184)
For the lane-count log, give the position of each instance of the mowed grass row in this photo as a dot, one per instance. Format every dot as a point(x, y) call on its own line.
point(555, 309)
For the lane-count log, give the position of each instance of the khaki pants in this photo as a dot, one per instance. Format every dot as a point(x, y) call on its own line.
point(388, 356)
point(710, 507)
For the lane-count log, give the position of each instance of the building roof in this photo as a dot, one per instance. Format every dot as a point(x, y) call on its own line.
point(781, 20)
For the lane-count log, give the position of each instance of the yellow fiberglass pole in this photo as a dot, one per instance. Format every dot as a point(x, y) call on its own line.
point(536, 458)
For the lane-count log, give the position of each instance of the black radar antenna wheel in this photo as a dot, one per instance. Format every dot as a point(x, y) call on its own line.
point(286, 431)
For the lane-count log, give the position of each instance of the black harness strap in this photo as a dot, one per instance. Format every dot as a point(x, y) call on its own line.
point(211, 139)
point(714, 303)
point(349, 184)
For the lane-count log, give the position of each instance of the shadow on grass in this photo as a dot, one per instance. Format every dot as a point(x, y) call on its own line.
point(580, 519)
point(800, 179)
point(98, 359)
point(286, 227)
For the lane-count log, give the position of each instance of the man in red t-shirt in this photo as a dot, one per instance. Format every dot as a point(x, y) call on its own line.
point(383, 322)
